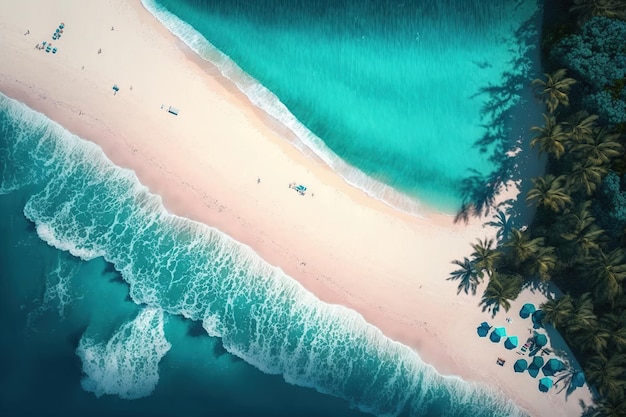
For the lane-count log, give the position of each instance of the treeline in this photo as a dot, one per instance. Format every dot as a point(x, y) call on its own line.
point(578, 236)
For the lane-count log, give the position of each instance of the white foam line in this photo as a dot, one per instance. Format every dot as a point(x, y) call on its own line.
point(307, 142)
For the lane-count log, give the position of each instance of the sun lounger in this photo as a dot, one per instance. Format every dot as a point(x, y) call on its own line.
point(500, 361)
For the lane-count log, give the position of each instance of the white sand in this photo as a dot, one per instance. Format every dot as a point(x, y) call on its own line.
point(340, 244)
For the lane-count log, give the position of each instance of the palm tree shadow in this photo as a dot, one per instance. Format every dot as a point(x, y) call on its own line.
point(536, 285)
point(489, 305)
point(505, 102)
point(568, 378)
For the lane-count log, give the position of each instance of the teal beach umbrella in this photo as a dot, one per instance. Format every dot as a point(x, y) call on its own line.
point(537, 318)
point(541, 340)
point(535, 366)
point(545, 384)
point(483, 329)
point(497, 334)
point(511, 342)
point(520, 365)
point(527, 310)
point(578, 380)
point(552, 366)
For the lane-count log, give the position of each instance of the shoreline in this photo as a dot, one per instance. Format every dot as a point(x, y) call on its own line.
point(339, 229)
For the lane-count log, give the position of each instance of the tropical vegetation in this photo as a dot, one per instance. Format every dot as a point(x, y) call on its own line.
point(577, 239)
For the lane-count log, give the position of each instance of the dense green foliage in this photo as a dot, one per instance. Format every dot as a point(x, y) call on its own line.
point(610, 205)
point(596, 55)
point(578, 237)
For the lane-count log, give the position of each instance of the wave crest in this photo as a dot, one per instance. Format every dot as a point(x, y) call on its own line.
point(128, 364)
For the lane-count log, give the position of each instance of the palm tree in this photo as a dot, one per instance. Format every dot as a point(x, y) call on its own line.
point(613, 406)
point(555, 89)
point(502, 222)
point(586, 9)
point(585, 233)
point(549, 192)
point(543, 262)
point(599, 148)
point(583, 317)
point(467, 275)
point(606, 373)
point(500, 291)
point(550, 138)
point(521, 247)
point(558, 311)
point(616, 326)
point(594, 339)
point(586, 176)
point(609, 273)
point(581, 126)
point(485, 256)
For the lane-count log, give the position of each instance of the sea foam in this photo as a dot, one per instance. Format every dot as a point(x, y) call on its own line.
point(305, 140)
point(90, 206)
point(127, 365)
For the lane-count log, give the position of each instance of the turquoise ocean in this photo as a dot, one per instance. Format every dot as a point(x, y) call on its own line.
point(112, 306)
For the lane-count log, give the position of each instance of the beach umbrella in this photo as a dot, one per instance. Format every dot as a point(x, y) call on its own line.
point(537, 318)
point(545, 384)
point(520, 365)
point(511, 342)
point(578, 380)
point(552, 366)
point(497, 334)
point(527, 310)
point(536, 364)
point(541, 340)
point(483, 329)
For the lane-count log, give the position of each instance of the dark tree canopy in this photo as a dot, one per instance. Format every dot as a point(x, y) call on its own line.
point(597, 55)
point(610, 206)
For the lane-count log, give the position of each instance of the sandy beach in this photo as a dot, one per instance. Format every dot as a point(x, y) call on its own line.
point(221, 162)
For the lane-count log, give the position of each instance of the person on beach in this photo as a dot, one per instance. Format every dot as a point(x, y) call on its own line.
point(99, 51)
point(258, 180)
point(27, 32)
